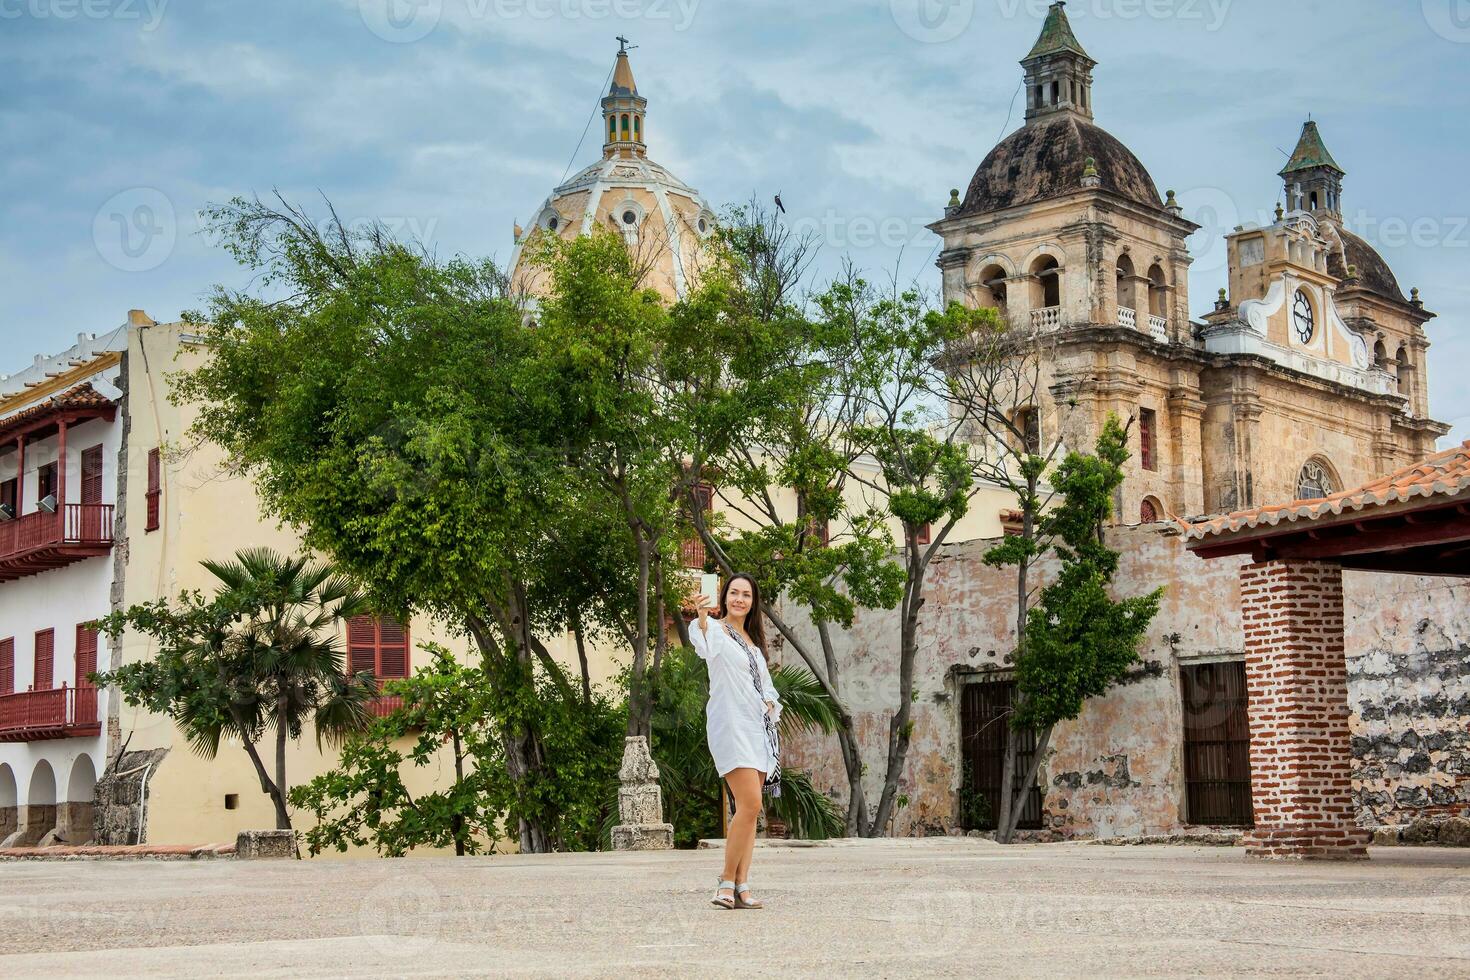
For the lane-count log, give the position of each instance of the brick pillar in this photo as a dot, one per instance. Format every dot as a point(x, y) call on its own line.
point(1296, 679)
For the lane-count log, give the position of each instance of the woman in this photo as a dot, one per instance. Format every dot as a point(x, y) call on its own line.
point(740, 722)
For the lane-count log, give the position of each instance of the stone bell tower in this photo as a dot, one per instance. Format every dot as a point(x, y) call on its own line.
point(1063, 230)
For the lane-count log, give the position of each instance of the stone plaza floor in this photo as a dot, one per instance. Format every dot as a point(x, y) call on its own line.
point(937, 907)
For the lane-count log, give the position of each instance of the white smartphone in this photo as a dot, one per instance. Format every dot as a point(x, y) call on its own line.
point(709, 585)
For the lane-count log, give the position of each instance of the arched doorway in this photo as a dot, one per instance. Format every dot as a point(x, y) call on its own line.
point(39, 818)
point(1127, 304)
point(9, 799)
point(990, 291)
point(1046, 292)
point(75, 822)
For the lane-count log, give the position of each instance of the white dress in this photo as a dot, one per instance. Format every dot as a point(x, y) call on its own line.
point(734, 721)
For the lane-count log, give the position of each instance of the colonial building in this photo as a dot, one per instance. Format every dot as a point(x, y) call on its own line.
point(104, 503)
point(1308, 375)
point(662, 219)
point(60, 441)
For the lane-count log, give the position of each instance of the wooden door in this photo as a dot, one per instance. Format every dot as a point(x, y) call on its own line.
point(1217, 742)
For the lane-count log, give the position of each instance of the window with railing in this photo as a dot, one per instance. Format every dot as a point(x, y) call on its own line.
point(378, 645)
point(691, 549)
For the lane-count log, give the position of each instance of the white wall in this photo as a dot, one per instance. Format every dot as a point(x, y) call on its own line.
point(58, 599)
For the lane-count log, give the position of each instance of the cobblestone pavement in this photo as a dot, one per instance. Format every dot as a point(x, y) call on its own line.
point(938, 907)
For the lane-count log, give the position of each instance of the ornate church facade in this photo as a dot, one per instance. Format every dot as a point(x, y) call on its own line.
point(1306, 377)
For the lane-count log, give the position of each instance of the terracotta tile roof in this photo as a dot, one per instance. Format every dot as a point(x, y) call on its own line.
point(1443, 474)
point(82, 396)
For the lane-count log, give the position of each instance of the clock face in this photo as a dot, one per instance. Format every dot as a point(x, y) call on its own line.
point(1301, 317)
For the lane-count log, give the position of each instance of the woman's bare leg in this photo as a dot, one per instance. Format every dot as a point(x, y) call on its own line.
point(745, 787)
point(742, 871)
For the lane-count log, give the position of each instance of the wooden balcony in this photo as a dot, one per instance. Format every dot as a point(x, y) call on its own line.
point(36, 542)
point(384, 704)
point(62, 712)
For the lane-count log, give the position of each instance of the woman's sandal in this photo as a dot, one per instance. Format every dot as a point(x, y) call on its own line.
point(720, 901)
point(740, 902)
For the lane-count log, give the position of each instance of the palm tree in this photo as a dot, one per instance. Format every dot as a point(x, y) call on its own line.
point(260, 655)
point(281, 664)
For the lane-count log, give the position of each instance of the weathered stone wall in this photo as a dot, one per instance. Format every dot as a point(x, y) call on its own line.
point(120, 799)
point(1118, 769)
point(1409, 691)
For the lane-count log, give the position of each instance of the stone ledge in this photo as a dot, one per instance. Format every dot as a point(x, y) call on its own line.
point(115, 852)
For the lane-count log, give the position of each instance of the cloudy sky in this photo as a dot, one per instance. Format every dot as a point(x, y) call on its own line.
point(450, 120)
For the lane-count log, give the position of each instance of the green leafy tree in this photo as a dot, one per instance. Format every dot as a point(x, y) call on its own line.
point(1077, 640)
point(929, 467)
point(600, 340)
point(259, 656)
point(771, 394)
point(393, 409)
point(365, 801)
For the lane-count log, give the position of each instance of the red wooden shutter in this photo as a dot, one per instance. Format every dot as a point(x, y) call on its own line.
point(92, 475)
point(1146, 438)
point(155, 488)
point(45, 660)
point(7, 666)
point(923, 534)
point(362, 645)
point(392, 648)
point(86, 653)
point(377, 646)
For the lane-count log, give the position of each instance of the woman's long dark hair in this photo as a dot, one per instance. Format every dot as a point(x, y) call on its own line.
point(755, 620)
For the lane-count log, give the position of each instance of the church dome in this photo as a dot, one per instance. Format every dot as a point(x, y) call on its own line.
point(663, 220)
point(1048, 158)
point(1374, 274)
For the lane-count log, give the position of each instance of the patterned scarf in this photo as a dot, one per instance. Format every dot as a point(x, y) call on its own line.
point(773, 778)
